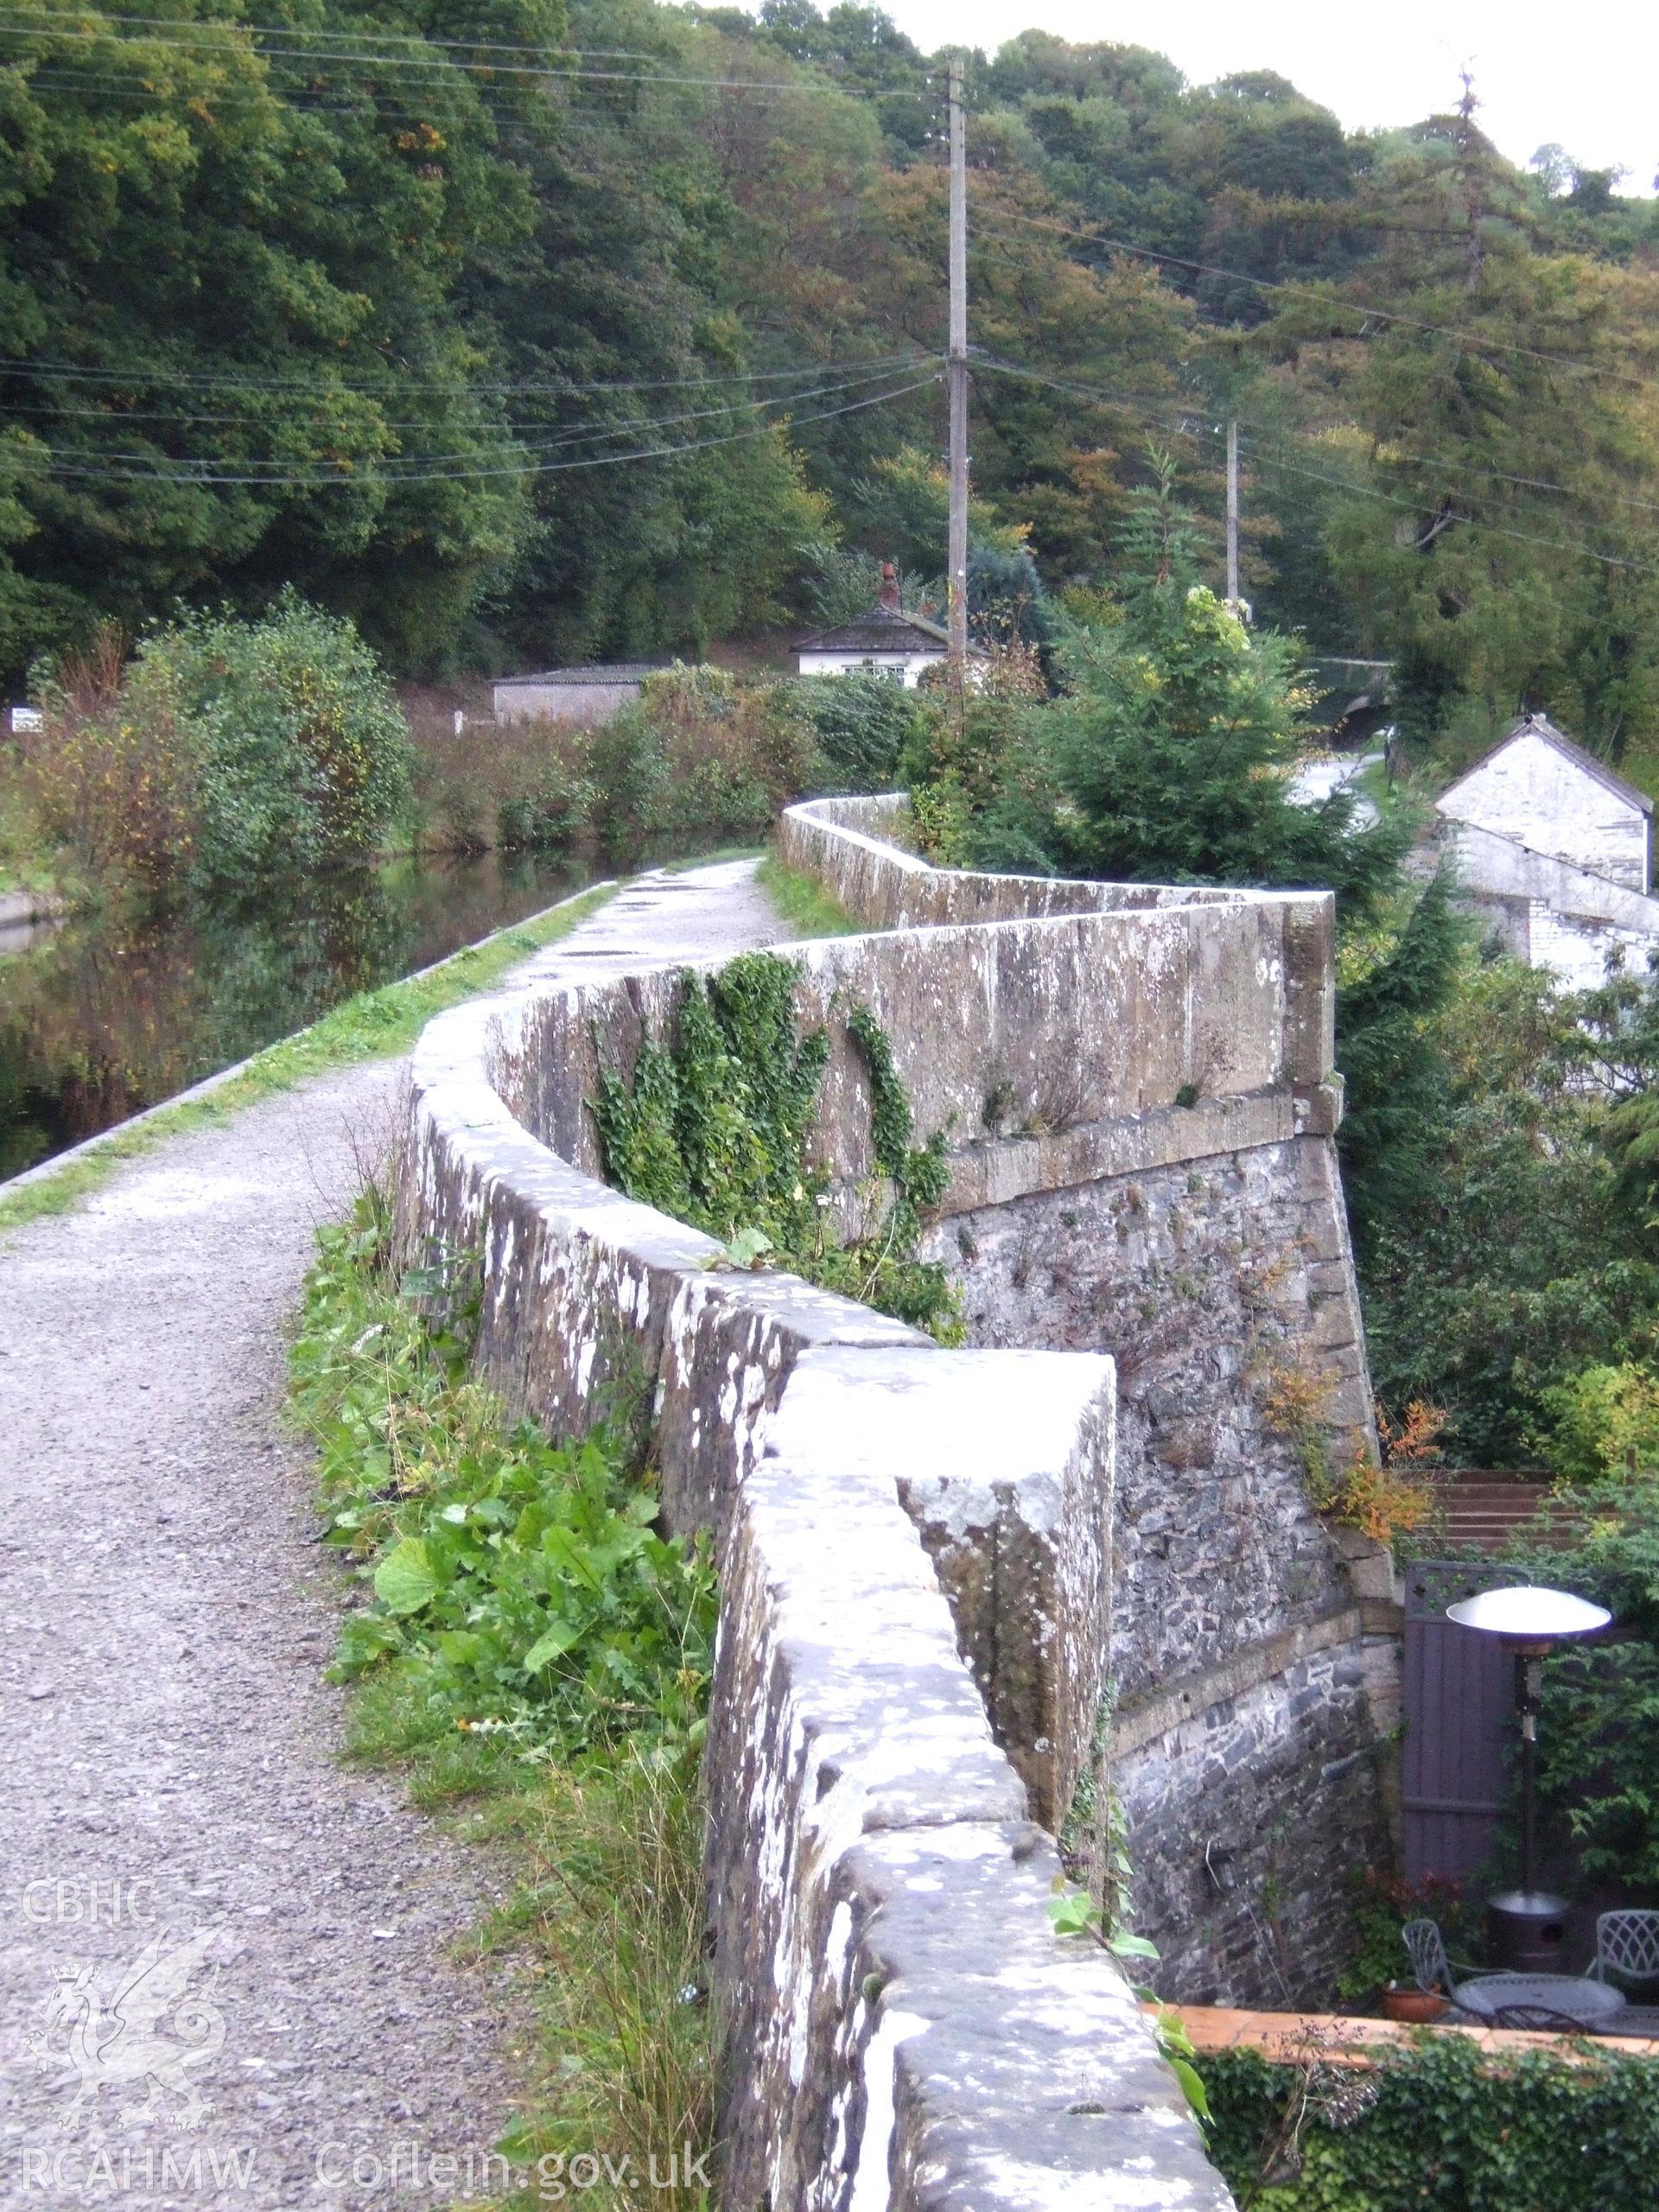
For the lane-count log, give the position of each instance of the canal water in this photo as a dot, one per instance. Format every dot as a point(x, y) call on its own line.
point(102, 1016)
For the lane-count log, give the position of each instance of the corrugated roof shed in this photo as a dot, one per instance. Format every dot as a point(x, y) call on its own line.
point(609, 671)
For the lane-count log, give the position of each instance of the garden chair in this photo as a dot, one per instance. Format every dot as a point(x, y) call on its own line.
point(1430, 1967)
point(1541, 2017)
point(1627, 1948)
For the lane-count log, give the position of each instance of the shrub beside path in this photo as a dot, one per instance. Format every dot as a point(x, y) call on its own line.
point(169, 1777)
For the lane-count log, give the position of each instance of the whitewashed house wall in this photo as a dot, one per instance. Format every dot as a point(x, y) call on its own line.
point(1540, 791)
point(906, 668)
point(885, 642)
point(1554, 850)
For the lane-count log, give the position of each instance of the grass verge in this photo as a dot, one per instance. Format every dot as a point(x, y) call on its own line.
point(371, 1025)
point(534, 1657)
point(804, 903)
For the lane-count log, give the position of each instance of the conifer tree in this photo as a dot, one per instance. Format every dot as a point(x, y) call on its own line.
point(1173, 754)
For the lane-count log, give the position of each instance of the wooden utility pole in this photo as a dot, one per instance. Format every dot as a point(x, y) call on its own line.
point(956, 374)
point(1232, 512)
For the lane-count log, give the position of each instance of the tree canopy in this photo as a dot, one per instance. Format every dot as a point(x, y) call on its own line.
point(566, 327)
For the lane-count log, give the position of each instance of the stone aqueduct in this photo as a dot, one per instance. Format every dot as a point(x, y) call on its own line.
point(955, 1583)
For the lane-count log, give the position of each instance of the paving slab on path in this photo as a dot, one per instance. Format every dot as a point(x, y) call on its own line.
point(169, 1775)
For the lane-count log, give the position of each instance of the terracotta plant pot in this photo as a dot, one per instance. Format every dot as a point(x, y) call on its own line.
point(1417, 2005)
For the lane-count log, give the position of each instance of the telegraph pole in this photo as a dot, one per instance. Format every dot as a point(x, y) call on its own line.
point(1232, 512)
point(956, 372)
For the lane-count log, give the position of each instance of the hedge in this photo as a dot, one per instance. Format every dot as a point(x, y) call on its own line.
point(1437, 2122)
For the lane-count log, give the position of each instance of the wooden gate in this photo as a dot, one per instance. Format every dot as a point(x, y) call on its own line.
point(1460, 1706)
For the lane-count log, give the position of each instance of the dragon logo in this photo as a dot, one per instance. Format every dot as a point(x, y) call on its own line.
point(146, 2025)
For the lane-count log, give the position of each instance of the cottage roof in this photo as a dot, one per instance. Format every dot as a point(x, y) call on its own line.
point(1540, 725)
point(607, 672)
point(883, 630)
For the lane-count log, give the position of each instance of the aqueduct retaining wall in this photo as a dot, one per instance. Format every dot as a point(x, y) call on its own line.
point(941, 1572)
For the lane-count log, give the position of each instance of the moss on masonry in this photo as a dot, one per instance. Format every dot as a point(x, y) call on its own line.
point(1382, 1500)
point(715, 1129)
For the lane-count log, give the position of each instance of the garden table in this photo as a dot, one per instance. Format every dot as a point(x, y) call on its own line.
point(1591, 2003)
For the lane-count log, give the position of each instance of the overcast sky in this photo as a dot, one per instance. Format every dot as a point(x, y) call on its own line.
point(1584, 73)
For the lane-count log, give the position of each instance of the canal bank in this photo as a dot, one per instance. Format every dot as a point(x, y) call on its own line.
point(171, 1619)
point(102, 1014)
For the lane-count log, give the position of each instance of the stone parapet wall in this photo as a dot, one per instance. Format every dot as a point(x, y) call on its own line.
point(1204, 1281)
point(842, 843)
point(950, 1577)
point(900, 2027)
point(1202, 1245)
point(858, 849)
point(903, 2029)
point(1048, 1049)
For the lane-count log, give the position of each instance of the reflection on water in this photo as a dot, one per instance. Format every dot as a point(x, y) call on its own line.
point(101, 1017)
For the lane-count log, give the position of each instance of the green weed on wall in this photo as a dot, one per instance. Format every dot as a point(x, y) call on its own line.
point(715, 1129)
point(1437, 2124)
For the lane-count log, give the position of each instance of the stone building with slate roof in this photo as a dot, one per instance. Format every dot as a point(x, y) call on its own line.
point(1539, 789)
point(1557, 849)
point(885, 642)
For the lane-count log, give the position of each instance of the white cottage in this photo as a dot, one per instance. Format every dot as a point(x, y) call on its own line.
point(1556, 850)
point(1540, 789)
point(885, 642)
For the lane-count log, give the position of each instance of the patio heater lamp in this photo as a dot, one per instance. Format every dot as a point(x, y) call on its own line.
point(1527, 1925)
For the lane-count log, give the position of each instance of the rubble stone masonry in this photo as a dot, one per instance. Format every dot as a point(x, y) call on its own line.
point(950, 1578)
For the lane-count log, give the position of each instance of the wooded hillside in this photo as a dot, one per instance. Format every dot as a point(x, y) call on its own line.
point(526, 333)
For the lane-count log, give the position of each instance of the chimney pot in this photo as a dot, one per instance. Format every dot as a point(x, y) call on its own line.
point(889, 586)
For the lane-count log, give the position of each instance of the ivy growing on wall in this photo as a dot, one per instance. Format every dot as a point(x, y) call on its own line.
point(1435, 2124)
point(717, 1128)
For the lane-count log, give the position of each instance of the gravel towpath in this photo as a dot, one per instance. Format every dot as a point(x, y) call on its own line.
point(169, 1780)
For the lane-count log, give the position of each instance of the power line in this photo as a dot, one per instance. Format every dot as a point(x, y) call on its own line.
point(312, 100)
point(1394, 454)
point(1473, 339)
point(364, 45)
point(368, 101)
point(568, 435)
point(369, 104)
point(1340, 483)
point(75, 371)
point(1471, 522)
point(71, 464)
point(521, 427)
point(338, 97)
point(562, 439)
point(76, 18)
point(412, 65)
point(362, 37)
point(394, 464)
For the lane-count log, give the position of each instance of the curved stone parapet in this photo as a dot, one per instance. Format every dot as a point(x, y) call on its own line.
point(856, 848)
point(901, 2027)
point(951, 1581)
point(1152, 1176)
